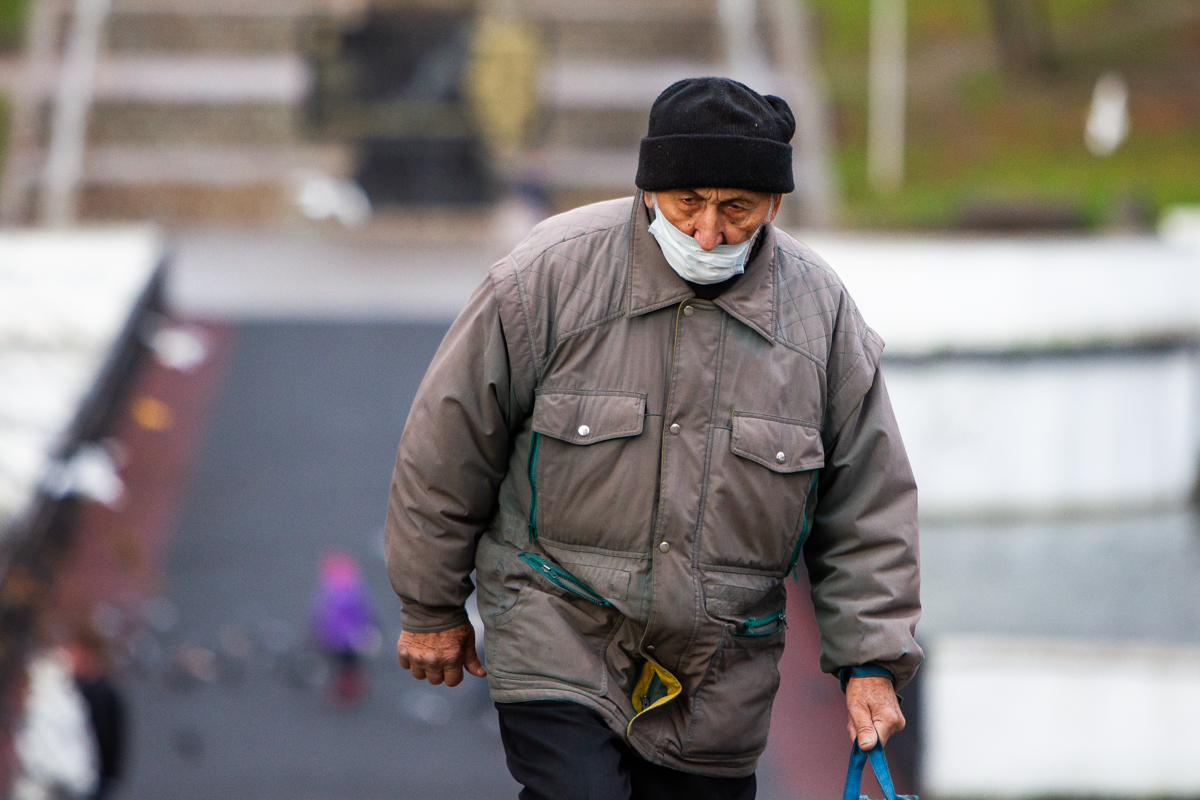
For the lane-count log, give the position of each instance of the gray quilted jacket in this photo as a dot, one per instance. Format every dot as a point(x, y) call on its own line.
point(633, 472)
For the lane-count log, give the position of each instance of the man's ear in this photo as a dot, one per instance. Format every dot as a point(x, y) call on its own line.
point(776, 202)
point(648, 199)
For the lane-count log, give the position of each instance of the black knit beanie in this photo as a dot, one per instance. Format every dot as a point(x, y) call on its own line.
point(718, 133)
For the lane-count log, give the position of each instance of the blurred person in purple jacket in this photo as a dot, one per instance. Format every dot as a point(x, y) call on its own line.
point(343, 622)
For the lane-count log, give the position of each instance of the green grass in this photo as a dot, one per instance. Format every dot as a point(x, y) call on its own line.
point(1154, 172)
point(12, 32)
point(984, 135)
point(12, 23)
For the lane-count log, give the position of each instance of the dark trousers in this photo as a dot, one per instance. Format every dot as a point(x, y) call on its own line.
point(560, 750)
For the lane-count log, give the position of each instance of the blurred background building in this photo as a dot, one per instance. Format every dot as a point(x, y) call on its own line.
point(236, 232)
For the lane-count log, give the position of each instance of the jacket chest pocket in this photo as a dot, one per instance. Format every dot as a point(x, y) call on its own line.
point(592, 469)
point(762, 493)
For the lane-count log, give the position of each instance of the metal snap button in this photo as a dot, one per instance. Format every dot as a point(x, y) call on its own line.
point(665, 547)
point(650, 649)
point(780, 457)
point(584, 430)
point(688, 311)
point(675, 429)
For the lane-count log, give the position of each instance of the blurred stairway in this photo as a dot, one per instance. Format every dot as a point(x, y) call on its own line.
point(194, 115)
point(604, 63)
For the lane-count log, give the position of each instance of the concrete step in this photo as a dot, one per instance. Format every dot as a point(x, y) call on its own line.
point(613, 83)
point(126, 123)
point(287, 9)
point(198, 100)
point(627, 29)
point(281, 78)
point(585, 168)
point(589, 129)
point(208, 34)
point(211, 166)
point(695, 38)
point(196, 185)
point(214, 79)
point(237, 100)
point(629, 11)
point(187, 204)
point(603, 105)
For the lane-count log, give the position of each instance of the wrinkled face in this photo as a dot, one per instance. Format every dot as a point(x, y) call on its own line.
point(716, 216)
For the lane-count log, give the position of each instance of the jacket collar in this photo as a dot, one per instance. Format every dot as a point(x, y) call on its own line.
point(652, 284)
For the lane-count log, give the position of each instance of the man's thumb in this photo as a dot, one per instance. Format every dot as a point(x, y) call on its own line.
point(472, 663)
point(866, 737)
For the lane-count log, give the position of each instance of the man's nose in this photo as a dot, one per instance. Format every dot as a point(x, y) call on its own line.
point(707, 234)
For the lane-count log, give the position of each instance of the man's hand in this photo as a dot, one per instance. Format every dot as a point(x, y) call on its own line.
point(441, 656)
point(874, 712)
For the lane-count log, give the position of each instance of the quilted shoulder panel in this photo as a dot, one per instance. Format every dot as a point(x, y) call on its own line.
point(818, 316)
point(810, 296)
point(570, 272)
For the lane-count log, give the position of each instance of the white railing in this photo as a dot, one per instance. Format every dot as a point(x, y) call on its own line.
point(55, 180)
point(68, 131)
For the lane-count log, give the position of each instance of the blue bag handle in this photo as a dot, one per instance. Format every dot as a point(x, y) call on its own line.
point(858, 760)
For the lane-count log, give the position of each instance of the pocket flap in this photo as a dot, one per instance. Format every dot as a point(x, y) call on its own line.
point(778, 444)
point(587, 418)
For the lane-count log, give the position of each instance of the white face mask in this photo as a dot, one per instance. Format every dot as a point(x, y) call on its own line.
point(691, 261)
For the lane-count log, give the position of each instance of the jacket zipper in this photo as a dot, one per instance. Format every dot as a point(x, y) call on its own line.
point(792, 564)
point(662, 449)
point(556, 575)
point(534, 441)
point(563, 579)
point(751, 628)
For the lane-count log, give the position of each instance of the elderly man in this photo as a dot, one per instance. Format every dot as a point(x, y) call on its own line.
point(649, 414)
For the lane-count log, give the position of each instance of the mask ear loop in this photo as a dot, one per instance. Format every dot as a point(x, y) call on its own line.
point(775, 206)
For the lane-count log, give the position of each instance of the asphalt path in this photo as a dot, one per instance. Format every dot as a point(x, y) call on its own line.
point(296, 458)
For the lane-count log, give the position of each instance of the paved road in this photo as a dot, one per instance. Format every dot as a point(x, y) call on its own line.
point(296, 459)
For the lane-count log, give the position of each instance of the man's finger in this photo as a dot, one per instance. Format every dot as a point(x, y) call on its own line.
point(432, 666)
point(472, 662)
point(888, 722)
point(453, 674)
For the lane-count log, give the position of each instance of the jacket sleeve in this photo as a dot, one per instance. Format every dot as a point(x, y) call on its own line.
point(452, 457)
point(862, 555)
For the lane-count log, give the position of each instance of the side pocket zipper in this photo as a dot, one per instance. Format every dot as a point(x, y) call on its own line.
point(531, 469)
point(792, 565)
point(563, 579)
point(555, 574)
point(754, 626)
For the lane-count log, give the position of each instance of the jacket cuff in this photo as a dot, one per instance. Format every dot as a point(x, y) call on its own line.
point(870, 670)
point(431, 619)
